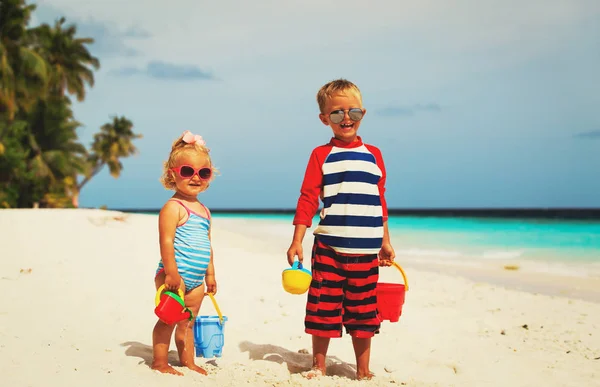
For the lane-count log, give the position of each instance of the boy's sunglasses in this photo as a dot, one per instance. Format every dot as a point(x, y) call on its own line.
point(187, 172)
point(337, 116)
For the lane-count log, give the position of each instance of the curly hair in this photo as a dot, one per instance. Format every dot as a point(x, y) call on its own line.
point(177, 149)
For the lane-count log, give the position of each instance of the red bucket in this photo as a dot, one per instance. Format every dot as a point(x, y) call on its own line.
point(390, 298)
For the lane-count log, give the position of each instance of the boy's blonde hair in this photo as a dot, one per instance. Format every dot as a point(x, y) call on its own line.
point(335, 87)
point(177, 149)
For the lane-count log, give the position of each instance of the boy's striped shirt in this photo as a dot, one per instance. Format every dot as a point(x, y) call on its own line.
point(350, 180)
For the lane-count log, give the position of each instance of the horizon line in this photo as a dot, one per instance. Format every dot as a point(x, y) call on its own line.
point(536, 212)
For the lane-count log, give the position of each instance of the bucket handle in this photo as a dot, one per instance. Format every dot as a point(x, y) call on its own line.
point(403, 275)
point(159, 292)
point(212, 298)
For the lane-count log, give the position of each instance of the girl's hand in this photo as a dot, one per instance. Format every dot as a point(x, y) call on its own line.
point(386, 255)
point(172, 281)
point(211, 284)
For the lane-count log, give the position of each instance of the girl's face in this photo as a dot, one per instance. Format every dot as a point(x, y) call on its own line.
point(188, 163)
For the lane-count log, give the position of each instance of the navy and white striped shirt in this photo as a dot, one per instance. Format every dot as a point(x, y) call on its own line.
point(350, 179)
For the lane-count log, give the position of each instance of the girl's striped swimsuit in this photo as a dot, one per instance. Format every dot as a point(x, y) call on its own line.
point(192, 249)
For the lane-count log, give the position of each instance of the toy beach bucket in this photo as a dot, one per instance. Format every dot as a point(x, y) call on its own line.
point(296, 279)
point(170, 307)
point(390, 298)
point(209, 336)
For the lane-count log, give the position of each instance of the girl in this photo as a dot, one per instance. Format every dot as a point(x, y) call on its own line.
point(185, 246)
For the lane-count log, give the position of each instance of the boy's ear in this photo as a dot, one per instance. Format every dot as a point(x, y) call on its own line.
point(324, 119)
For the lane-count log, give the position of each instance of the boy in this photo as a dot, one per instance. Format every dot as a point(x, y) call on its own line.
point(352, 238)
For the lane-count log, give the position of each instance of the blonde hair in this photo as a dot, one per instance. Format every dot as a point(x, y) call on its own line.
point(179, 147)
point(335, 87)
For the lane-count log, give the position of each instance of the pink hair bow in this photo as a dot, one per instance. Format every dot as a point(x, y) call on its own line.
point(191, 138)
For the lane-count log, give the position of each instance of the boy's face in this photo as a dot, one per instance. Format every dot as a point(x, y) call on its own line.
point(347, 129)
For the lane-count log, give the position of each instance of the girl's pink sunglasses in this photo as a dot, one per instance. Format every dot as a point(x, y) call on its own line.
point(187, 172)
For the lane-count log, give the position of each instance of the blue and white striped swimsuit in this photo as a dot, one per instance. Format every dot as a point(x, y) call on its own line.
point(192, 249)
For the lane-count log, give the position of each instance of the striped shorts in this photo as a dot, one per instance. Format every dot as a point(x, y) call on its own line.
point(342, 293)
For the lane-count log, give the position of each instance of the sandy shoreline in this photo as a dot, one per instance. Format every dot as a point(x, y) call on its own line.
point(84, 314)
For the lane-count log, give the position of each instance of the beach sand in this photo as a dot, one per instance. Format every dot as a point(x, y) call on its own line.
point(78, 309)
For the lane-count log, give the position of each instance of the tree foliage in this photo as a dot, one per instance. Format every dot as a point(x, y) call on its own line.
point(42, 161)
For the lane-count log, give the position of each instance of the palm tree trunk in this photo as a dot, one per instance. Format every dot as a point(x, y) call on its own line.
point(75, 199)
point(86, 180)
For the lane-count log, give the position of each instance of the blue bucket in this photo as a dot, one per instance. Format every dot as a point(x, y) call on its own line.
point(209, 337)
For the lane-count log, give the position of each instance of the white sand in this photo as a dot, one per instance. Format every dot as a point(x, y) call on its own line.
point(84, 315)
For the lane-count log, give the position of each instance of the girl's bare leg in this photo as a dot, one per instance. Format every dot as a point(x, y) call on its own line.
point(184, 334)
point(161, 339)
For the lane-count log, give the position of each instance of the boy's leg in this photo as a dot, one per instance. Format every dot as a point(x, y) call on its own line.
point(320, 345)
point(184, 335)
point(161, 338)
point(324, 304)
point(360, 308)
point(362, 351)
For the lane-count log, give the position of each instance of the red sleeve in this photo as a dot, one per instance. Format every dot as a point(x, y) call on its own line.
point(381, 184)
point(308, 203)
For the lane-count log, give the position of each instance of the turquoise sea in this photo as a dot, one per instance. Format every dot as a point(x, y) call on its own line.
point(555, 240)
point(483, 238)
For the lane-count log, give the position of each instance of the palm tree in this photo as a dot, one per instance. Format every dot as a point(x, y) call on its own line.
point(13, 171)
point(40, 155)
point(114, 142)
point(23, 73)
point(56, 154)
point(68, 58)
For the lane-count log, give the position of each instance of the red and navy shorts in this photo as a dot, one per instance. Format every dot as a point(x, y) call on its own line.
point(343, 292)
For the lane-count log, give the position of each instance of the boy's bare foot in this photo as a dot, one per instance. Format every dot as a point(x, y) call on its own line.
point(198, 369)
point(315, 372)
point(367, 376)
point(165, 369)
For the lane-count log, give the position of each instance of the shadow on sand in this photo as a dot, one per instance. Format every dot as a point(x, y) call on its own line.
point(296, 362)
point(144, 352)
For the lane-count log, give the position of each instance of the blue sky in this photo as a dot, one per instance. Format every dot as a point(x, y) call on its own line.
point(474, 103)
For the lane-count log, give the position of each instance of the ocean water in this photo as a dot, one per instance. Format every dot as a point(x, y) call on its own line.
point(506, 239)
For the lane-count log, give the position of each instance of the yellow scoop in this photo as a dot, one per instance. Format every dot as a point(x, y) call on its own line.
point(296, 280)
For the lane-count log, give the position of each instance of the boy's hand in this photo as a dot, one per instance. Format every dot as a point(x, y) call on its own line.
point(386, 255)
point(211, 284)
point(295, 249)
point(172, 281)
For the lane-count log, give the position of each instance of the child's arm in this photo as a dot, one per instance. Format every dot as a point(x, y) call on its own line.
point(210, 280)
point(296, 246)
point(308, 202)
point(307, 206)
point(168, 219)
point(387, 253)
